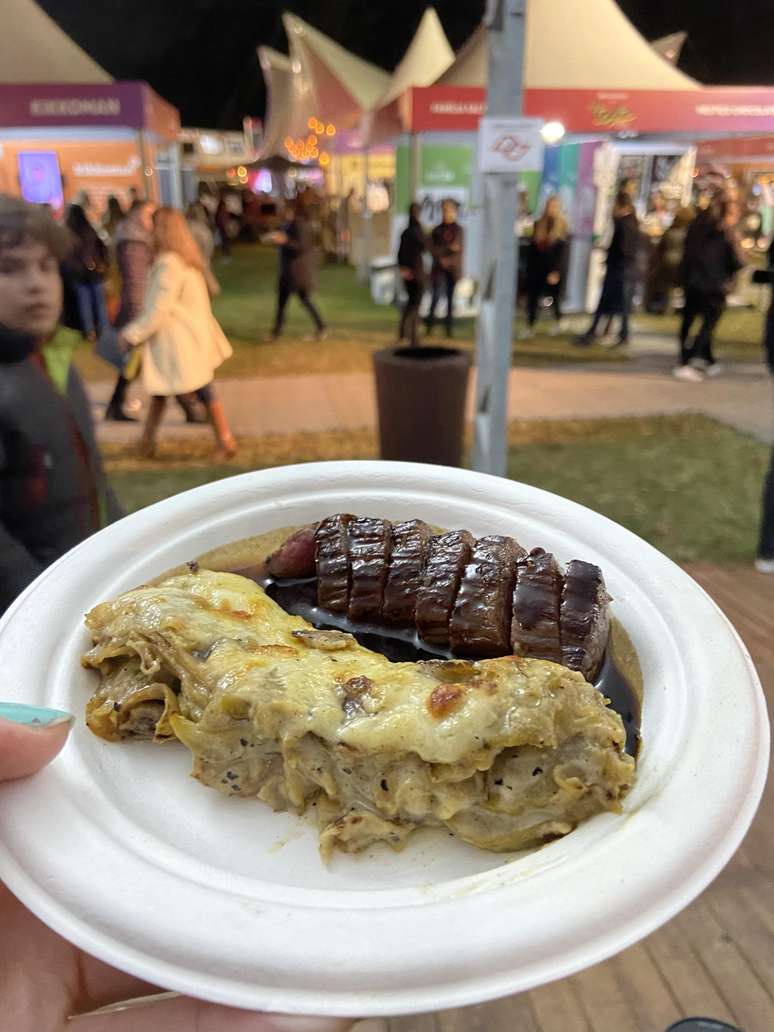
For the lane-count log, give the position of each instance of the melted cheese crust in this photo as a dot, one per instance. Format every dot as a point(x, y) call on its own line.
point(505, 753)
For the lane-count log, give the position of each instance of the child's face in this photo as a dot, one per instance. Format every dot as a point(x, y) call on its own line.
point(30, 289)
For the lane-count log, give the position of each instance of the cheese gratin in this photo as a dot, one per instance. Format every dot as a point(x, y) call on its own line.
point(505, 753)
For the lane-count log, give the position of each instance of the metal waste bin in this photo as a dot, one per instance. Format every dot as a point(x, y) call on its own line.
point(421, 394)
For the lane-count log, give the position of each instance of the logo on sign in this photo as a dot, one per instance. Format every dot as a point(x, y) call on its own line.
point(510, 147)
point(606, 117)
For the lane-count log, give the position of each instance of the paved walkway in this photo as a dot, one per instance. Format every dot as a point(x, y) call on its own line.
point(741, 397)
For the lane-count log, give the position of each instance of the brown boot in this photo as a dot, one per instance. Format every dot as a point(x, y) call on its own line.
point(227, 447)
point(147, 445)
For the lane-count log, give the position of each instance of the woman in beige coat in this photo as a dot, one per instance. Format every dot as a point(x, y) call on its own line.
point(182, 341)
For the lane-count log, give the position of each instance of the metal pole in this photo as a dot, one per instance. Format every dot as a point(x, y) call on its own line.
point(504, 20)
point(365, 244)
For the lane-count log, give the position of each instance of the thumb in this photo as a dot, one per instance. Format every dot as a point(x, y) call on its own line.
point(30, 737)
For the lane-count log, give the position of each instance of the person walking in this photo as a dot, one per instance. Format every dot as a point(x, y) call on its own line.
point(53, 490)
point(182, 341)
point(764, 562)
point(446, 245)
point(296, 270)
point(411, 266)
point(85, 269)
point(546, 258)
point(711, 259)
point(134, 258)
point(620, 274)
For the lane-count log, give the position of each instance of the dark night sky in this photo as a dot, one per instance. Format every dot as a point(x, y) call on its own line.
point(200, 54)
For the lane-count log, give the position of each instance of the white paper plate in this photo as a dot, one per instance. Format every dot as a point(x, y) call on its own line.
point(116, 848)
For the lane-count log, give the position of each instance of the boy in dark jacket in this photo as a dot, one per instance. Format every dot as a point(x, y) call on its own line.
point(296, 270)
point(53, 491)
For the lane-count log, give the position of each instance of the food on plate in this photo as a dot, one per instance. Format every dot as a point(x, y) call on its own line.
point(480, 597)
point(506, 753)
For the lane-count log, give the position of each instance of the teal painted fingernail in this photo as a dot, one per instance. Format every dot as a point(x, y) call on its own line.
point(34, 716)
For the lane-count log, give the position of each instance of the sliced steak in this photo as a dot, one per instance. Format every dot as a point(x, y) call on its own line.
point(448, 555)
point(410, 546)
point(536, 600)
point(295, 556)
point(584, 619)
point(370, 543)
point(332, 561)
point(480, 622)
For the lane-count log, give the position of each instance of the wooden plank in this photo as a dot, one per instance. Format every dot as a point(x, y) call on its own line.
point(558, 1008)
point(739, 985)
point(648, 994)
point(603, 1000)
point(742, 916)
point(507, 1015)
point(414, 1023)
point(684, 973)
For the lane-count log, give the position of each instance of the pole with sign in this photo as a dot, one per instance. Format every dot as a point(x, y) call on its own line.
point(505, 144)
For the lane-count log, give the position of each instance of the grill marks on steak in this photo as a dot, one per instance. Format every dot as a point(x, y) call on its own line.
point(535, 630)
point(410, 547)
point(370, 545)
point(480, 623)
point(447, 558)
point(484, 597)
point(332, 562)
point(584, 619)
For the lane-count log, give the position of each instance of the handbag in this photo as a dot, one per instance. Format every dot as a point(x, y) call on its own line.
point(107, 348)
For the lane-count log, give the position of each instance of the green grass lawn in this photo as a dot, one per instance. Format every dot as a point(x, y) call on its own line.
point(687, 484)
point(358, 327)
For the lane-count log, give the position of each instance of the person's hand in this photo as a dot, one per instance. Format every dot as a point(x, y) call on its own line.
point(406, 274)
point(48, 985)
point(552, 279)
point(124, 344)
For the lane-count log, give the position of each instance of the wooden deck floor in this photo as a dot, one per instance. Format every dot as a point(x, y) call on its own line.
point(716, 959)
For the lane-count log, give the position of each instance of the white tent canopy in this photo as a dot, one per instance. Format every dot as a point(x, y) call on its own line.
point(34, 49)
point(670, 47)
point(285, 101)
point(340, 85)
point(571, 45)
point(427, 56)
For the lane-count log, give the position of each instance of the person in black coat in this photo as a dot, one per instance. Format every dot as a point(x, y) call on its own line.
point(53, 491)
point(621, 272)
point(546, 259)
point(296, 270)
point(446, 244)
point(411, 267)
point(85, 270)
point(712, 256)
point(764, 562)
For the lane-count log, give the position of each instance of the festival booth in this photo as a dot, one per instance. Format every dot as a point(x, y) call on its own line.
point(66, 126)
point(627, 112)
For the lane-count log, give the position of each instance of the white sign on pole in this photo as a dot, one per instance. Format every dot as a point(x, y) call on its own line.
point(510, 145)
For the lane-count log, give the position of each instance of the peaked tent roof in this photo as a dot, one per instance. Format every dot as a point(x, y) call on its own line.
point(427, 56)
point(284, 100)
point(341, 86)
point(34, 49)
point(670, 47)
point(592, 45)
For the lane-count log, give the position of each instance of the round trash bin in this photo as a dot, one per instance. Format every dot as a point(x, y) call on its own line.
point(421, 395)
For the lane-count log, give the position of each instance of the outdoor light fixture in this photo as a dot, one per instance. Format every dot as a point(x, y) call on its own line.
point(330, 129)
point(552, 132)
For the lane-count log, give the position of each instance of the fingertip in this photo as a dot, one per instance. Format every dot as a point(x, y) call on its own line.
point(27, 749)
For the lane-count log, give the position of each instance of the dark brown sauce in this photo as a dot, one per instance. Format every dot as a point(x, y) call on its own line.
point(402, 645)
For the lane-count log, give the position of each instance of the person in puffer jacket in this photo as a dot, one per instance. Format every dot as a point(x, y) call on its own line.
point(53, 490)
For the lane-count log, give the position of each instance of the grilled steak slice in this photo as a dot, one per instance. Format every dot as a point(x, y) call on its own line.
point(584, 619)
point(447, 558)
point(370, 542)
point(410, 541)
point(536, 600)
point(480, 622)
point(332, 561)
point(294, 557)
